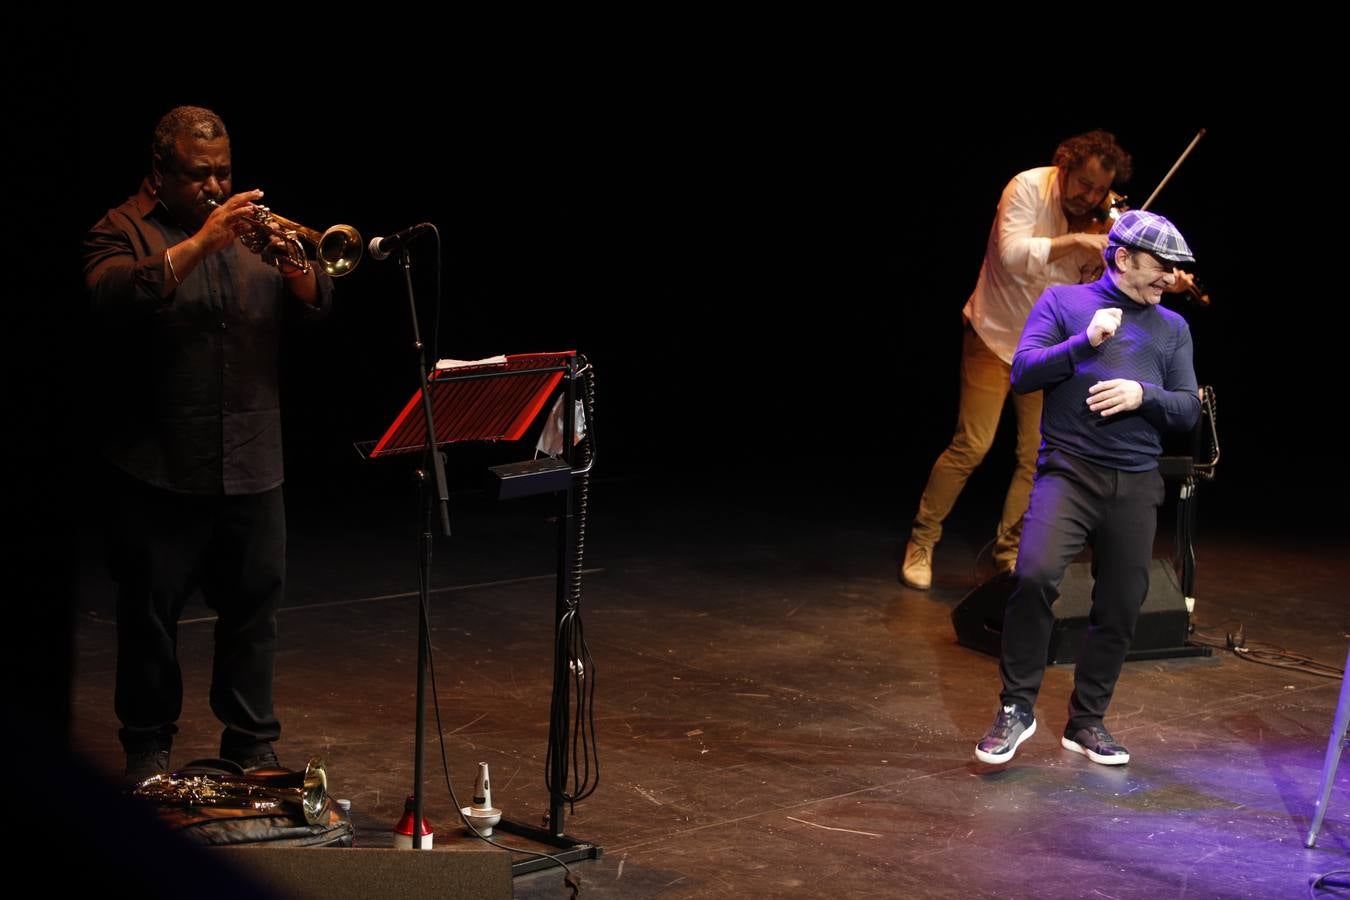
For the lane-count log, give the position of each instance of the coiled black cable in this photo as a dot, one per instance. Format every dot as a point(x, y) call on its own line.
point(572, 729)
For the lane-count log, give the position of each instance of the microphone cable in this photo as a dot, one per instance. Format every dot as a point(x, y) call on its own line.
point(572, 720)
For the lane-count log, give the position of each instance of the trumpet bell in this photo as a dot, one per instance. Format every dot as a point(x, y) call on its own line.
point(339, 250)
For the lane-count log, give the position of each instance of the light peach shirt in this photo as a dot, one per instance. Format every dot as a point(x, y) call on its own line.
point(1016, 265)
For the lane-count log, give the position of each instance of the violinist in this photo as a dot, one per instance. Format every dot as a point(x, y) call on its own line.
point(1046, 231)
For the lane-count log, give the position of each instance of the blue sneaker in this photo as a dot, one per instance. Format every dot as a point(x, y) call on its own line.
point(1096, 743)
point(1013, 725)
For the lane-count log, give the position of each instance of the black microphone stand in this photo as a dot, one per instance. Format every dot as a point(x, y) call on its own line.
point(436, 463)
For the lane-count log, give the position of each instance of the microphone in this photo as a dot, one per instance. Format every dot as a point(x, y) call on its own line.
point(384, 247)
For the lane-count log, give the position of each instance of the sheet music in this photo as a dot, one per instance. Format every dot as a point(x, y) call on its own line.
point(464, 363)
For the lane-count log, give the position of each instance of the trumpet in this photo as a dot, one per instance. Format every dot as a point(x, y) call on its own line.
point(338, 249)
point(270, 793)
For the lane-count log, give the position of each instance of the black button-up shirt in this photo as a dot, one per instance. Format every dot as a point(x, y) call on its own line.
point(190, 380)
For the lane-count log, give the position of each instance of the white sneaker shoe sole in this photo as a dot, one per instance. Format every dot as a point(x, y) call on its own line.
point(1118, 759)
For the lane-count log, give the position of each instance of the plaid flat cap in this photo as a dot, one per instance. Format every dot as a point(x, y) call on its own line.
point(1147, 231)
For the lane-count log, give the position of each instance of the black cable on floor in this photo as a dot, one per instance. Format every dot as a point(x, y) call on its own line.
point(1265, 654)
point(1325, 881)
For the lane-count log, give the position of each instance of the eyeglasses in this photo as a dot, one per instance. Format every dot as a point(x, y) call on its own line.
point(1162, 265)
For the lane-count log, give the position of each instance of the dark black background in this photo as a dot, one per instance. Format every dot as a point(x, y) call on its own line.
point(763, 247)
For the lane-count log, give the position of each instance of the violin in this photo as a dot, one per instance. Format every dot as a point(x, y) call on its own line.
point(1114, 205)
point(1104, 216)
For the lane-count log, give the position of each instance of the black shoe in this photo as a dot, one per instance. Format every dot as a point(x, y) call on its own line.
point(263, 757)
point(141, 765)
point(1013, 725)
point(1096, 743)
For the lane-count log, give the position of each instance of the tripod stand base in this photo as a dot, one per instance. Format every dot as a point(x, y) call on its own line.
point(559, 846)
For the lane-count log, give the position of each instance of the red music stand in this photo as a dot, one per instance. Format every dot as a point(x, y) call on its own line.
point(497, 399)
point(485, 400)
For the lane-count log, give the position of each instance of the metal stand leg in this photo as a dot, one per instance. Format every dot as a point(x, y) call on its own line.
point(1333, 758)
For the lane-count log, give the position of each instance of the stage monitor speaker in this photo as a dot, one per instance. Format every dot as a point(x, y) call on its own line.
point(1161, 633)
point(321, 873)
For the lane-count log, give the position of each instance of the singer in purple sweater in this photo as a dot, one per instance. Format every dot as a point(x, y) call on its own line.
point(1116, 371)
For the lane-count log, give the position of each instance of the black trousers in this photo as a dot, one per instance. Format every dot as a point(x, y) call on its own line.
point(164, 546)
point(1074, 502)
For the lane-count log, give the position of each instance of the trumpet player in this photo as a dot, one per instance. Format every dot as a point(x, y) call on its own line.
point(192, 327)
